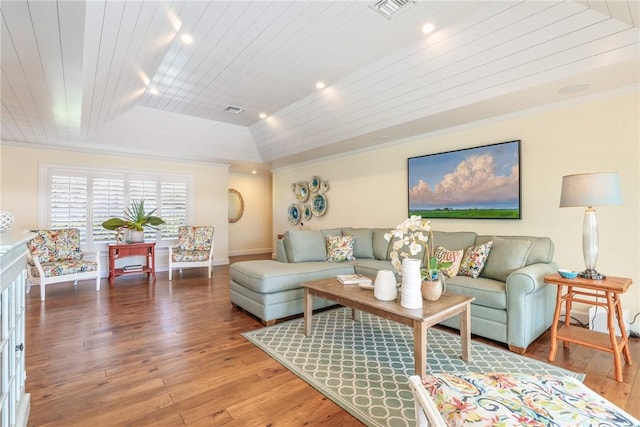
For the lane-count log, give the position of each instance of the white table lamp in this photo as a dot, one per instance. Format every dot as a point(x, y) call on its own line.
point(589, 190)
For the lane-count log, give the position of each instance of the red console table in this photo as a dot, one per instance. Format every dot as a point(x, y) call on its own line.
point(117, 251)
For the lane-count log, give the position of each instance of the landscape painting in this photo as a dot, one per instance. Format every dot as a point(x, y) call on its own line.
point(480, 182)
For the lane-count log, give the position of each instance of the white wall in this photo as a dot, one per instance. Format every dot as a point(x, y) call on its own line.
point(369, 189)
point(252, 233)
point(209, 183)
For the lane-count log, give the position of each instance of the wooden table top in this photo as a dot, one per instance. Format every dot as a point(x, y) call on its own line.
point(354, 296)
point(608, 284)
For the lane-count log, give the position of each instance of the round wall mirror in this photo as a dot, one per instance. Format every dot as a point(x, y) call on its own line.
point(236, 205)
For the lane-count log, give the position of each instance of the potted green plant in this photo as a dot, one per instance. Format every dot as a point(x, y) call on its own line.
point(135, 219)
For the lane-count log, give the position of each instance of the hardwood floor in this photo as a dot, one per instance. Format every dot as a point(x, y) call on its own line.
point(171, 354)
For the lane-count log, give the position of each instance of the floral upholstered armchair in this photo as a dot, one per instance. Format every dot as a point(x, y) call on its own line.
point(194, 248)
point(472, 399)
point(54, 256)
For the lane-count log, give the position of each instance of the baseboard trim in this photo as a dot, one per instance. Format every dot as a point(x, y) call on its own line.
point(251, 252)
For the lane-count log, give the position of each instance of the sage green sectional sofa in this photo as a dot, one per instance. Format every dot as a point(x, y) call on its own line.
point(512, 303)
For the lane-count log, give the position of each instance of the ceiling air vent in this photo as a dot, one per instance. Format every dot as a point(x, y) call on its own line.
point(233, 109)
point(388, 8)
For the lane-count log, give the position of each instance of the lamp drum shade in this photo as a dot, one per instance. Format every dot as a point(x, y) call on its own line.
point(590, 189)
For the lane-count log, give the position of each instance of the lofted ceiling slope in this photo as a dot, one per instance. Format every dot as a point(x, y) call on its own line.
point(117, 76)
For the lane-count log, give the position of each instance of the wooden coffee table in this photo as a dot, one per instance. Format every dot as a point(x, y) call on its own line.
point(420, 320)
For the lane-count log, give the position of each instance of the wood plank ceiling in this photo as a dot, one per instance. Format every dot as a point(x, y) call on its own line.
point(116, 76)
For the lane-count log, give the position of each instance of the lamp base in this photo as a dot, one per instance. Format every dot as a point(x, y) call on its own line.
point(592, 274)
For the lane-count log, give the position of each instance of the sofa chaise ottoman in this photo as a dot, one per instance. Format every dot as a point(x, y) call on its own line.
point(513, 305)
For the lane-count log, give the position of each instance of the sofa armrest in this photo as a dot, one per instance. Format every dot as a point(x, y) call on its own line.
point(528, 279)
point(530, 303)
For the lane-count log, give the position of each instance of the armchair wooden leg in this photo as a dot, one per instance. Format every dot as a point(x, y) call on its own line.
point(42, 285)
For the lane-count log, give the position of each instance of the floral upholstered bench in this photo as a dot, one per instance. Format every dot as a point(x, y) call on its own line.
point(54, 256)
point(475, 399)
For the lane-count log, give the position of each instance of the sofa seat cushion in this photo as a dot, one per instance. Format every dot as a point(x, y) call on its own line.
point(370, 267)
point(487, 292)
point(63, 268)
point(267, 276)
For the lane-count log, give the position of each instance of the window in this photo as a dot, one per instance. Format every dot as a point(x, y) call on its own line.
point(85, 199)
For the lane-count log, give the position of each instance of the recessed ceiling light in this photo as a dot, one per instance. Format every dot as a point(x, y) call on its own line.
point(177, 24)
point(186, 38)
point(427, 28)
point(233, 109)
point(153, 91)
point(320, 85)
point(254, 172)
point(263, 116)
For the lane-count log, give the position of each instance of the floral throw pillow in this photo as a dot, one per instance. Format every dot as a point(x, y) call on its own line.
point(474, 259)
point(340, 248)
point(442, 254)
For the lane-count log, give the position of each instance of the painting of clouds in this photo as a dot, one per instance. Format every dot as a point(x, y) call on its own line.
point(479, 182)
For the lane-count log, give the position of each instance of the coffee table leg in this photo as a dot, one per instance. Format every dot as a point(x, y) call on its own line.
point(308, 311)
point(420, 348)
point(465, 333)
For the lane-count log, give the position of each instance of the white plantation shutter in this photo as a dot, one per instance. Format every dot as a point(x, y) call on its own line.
point(173, 209)
point(107, 202)
point(84, 199)
point(148, 191)
point(68, 203)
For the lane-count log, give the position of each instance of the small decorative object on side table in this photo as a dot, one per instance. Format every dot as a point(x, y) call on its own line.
point(610, 288)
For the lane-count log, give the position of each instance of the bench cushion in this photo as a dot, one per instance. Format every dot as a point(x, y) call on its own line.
point(63, 268)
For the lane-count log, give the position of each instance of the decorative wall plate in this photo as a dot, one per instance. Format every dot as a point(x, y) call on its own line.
point(314, 184)
point(294, 214)
point(319, 204)
point(324, 186)
point(302, 192)
point(306, 212)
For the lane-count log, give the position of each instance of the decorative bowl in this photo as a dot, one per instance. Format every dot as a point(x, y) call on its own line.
point(568, 274)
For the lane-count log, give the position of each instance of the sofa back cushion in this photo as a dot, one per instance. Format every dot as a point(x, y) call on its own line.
point(363, 246)
point(507, 255)
point(380, 244)
point(542, 248)
point(305, 245)
point(55, 245)
point(454, 240)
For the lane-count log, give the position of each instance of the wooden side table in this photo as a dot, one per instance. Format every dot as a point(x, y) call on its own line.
point(610, 289)
point(145, 249)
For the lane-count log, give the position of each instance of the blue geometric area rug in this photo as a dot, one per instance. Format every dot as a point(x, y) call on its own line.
point(364, 366)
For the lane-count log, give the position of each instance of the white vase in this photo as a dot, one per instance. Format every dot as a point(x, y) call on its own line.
point(385, 287)
point(411, 293)
point(136, 236)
